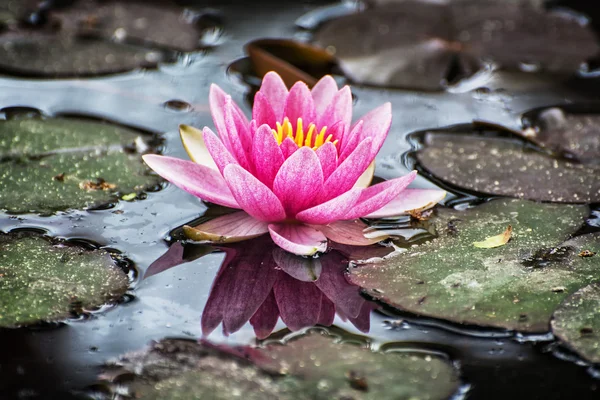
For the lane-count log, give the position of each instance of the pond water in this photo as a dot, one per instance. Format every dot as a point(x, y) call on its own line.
point(63, 360)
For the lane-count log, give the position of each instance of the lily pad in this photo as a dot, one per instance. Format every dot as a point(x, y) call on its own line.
point(572, 131)
point(40, 281)
point(48, 165)
point(503, 167)
point(425, 45)
point(516, 286)
point(577, 321)
point(312, 367)
point(95, 37)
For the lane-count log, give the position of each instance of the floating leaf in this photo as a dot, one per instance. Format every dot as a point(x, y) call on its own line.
point(95, 37)
point(502, 167)
point(48, 165)
point(310, 367)
point(572, 131)
point(577, 321)
point(511, 287)
point(425, 45)
point(495, 241)
point(44, 282)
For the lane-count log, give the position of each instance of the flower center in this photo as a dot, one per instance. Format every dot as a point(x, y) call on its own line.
point(301, 138)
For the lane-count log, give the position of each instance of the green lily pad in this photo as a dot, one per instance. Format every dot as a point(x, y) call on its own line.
point(576, 321)
point(48, 165)
point(311, 367)
point(516, 286)
point(40, 281)
point(502, 167)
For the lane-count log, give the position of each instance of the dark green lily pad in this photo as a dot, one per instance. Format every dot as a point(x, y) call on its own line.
point(48, 165)
point(571, 131)
point(425, 45)
point(576, 322)
point(502, 167)
point(41, 282)
point(516, 286)
point(311, 367)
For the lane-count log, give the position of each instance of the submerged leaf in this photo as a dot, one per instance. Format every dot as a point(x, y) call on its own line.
point(495, 241)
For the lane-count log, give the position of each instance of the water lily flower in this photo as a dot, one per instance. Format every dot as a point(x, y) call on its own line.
point(299, 170)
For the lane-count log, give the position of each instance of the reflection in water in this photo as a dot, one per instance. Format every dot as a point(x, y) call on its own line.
point(260, 283)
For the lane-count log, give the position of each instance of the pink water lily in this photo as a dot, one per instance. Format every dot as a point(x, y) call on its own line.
point(298, 170)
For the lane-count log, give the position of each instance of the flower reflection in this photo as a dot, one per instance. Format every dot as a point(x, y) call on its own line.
point(260, 283)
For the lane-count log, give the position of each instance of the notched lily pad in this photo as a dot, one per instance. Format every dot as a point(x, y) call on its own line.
point(425, 45)
point(311, 367)
point(512, 287)
point(41, 282)
point(53, 164)
point(572, 131)
point(503, 167)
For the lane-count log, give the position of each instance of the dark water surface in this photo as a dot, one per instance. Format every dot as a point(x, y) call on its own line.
point(52, 361)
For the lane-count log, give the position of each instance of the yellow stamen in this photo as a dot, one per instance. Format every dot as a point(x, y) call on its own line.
point(309, 135)
point(285, 129)
point(299, 133)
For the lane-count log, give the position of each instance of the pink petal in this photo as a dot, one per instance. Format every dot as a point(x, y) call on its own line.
point(267, 155)
point(299, 303)
point(299, 104)
point(238, 135)
point(349, 232)
point(375, 197)
point(220, 155)
point(298, 239)
point(262, 112)
point(195, 179)
point(193, 142)
point(330, 211)
point(288, 147)
point(216, 100)
point(299, 181)
point(327, 312)
point(323, 93)
point(252, 195)
point(327, 154)
point(351, 141)
point(172, 258)
point(340, 109)
point(265, 318)
point(276, 92)
point(302, 268)
point(348, 172)
point(362, 321)
point(409, 200)
point(229, 228)
point(376, 125)
point(367, 177)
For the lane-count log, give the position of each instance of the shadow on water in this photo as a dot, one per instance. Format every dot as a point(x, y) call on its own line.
point(53, 361)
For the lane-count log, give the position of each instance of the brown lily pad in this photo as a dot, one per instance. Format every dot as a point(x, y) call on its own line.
point(516, 286)
point(504, 167)
point(312, 366)
point(572, 131)
point(292, 60)
point(426, 45)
